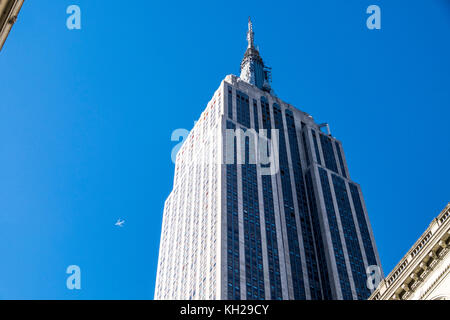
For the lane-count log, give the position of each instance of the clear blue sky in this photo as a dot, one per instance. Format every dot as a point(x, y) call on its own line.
point(86, 118)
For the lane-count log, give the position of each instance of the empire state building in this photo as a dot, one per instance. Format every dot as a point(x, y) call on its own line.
point(262, 206)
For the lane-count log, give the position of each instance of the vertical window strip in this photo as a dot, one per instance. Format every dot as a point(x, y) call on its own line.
point(316, 146)
point(305, 147)
point(269, 216)
point(252, 230)
point(365, 235)
point(255, 115)
point(230, 103)
point(341, 162)
point(335, 236)
point(305, 222)
point(233, 267)
point(351, 238)
point(326, 288)
point(289, 213)
point(328, 153)
point(242, 109)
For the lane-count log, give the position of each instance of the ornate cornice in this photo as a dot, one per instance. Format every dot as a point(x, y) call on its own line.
point(416, 266)
point(435, 282)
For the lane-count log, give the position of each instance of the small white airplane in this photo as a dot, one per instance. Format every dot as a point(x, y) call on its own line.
point(120, 223)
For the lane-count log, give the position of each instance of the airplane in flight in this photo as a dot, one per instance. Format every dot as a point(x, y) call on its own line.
point(120, 223)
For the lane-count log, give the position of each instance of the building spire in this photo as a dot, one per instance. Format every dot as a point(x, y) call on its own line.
point(250, 34)
point(253, 69)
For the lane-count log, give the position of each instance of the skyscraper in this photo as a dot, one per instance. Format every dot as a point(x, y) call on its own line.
point(262, 205)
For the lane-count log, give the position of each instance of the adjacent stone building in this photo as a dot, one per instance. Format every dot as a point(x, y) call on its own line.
point(424, 272)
